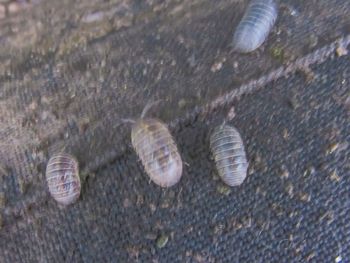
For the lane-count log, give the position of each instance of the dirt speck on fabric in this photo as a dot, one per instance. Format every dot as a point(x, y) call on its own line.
point(2, 200)
point(305, 197)
point(162, 240)
point(332, 148)
point(223, 189)
point(335, 177)
point(284, 172)
point(341, 51)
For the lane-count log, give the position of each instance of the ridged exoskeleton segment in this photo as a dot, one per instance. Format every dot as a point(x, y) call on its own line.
point(230, 158)
point(157, 150)
point(62, 176)
point(255, 25)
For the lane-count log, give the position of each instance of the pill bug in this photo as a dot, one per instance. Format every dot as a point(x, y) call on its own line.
point(230, 158)
point(62, 176)
point(157, 150)
point(255, 25)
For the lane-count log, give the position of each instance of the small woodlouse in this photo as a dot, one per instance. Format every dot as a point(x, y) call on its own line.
point(255, 25)
point(157, 150)
point(230, 158)
point(62, 176)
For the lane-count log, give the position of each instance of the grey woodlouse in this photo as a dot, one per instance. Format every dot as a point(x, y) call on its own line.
point(230, 158)
point(62, 176)
point(157, 150)
point(255, 25)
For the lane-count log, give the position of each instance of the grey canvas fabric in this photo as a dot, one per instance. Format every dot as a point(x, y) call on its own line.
point(68, 83)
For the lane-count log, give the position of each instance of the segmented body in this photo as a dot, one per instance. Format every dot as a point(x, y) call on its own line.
point(62, 176)
point(230, 158)
point(255, 25)
point(157, 150)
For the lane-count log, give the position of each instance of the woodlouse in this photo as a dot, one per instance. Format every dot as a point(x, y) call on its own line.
point(255, 25)
point(62, 176)
point(157, 150)
point(230, 158)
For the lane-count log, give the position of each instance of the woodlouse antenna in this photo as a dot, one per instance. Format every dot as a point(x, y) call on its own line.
point(148, 106)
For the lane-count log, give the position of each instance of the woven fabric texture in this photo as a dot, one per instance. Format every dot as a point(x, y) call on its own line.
point(290, 100)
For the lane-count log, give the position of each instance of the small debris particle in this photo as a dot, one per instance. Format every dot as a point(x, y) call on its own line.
point(332, 148)
point(165, 204)
point(277, 53)
point(16, 7)
point(285, 172)
point(2, 200)
point(313, 40)
point(162, 241)
point(192, 61)
point(341, 51)
point(291, 238)
point(216, 67)
point(257, 158)
point(133, 251)
point(236, 224)
point(199, 258)
point(277, 209)
point(151, 236)
point(83, 125)
point(285, 134)
point(182, 103)
point(308, 73)
point(152, 207)
point(21, 186)
point(33, 106)
point(126, 203)
point(93, 17)
point(260, 191)
point(3, 170)
point(338, 259)
point(231, 114)
point(305, 197)
point(224, 189)
point(218, 229)
point(140, 200)
point(189, 229)
point(335, 177)
point(293, 214)
point(247, 222)
point(251, 170)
